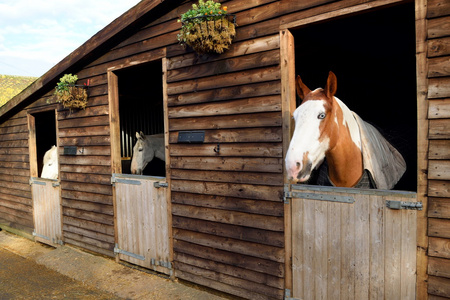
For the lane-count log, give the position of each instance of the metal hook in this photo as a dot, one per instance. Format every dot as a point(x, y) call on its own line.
point(217, 148)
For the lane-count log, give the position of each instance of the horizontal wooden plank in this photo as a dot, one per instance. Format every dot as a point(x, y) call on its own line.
point(89, 225)
point(13, 129)
point(85, 141)
point(218, 285)
point(230, 258)
point(83, 131)
point(86, 178)
point(437, 8)
point(225, 176)
point(242, 106)
point(439, 227)
point(16, 199)
point(439, 66)
point(439, 87)
point(86, 196)
point(230, 121)
point(92, 235)
point(232, 245)
point(439, 286)
point(73, 240)
point(70, 237)
point(15, 172)
point(439, 188)
point(84, 122)
point(89, 150)
point(439, 129)
point(239, 48)
point(251, 61)
point(247, 135)
point(14, 144)
point(14, 158)
point(439, 208)
point(88, 216)
point(439, 47)
point(254, 235)
point(439, 149)
point(247, 191)
point(236, 286)
point(88, 169)
point(228, 164)
point(229, 203)
point(88, 112)
point(17, 220)
point(104, 189)
point(229, 217)
point(439, 109)
point(89, 206)
point(439, 267)
point(229, 149)
point(439, 247)
point(439, 169)
point(249, 275)
point(15, 205)
point(15, 192)
point(93, 160)
point(189, 88)
point(439, 27)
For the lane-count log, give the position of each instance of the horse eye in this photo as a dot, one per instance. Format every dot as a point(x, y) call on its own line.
point(321, 116)
point(140, 149)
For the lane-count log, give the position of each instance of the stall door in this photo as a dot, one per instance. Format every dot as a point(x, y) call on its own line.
point(142, 221)
point(353, 244)
point(46, 211)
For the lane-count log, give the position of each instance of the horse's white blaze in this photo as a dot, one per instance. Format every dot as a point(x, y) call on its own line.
point(350, 122)
point(306, 146)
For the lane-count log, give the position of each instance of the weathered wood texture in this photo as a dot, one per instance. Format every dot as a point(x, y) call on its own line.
point(228, 216)
point(360, 250)
point(47, 211)
point(15, 193)
point(143, 223)
point(439, 166)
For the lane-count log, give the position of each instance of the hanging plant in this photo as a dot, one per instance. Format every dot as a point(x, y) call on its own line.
point(207, 27)
point(70, 94)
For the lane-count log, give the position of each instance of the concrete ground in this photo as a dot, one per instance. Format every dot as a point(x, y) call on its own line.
point(34, 267)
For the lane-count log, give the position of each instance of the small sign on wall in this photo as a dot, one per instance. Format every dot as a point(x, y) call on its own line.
point(70, 150)
point(191, 137)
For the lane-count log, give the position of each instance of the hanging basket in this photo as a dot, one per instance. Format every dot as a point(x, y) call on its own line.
point(73, 96)
point(208, 34)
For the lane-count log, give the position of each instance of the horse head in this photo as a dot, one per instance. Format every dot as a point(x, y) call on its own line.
point(142, 154)
point(317, 129)
point(50, 168)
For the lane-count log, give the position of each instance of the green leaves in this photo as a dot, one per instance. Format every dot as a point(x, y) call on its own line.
point(65, 82)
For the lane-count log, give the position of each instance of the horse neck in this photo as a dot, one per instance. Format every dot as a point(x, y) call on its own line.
point(345, 166)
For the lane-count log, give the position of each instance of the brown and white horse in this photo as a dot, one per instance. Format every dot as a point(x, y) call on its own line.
point(326, 128)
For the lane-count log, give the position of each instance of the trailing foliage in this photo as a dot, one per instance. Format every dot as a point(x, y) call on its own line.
point(11, 85)
point(70, 95)
point(206, 28)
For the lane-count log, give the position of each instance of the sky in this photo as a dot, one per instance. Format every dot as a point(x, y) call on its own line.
point(37, 34)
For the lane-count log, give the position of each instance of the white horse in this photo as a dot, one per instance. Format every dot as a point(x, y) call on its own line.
point(50, 168)
point(146, 148)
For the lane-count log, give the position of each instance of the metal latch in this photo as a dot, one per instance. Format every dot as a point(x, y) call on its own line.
point(403, 205)
point(160, 184)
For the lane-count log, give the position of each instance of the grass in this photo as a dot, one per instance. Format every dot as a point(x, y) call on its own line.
point(11, 85)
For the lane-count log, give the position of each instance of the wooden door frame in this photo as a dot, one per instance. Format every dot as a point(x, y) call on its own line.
point(114, 120)
point(288, 97)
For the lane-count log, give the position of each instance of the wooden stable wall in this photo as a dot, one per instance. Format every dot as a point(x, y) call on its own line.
point(438, 54)
point(227, 208)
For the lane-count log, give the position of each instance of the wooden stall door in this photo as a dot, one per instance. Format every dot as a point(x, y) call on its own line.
point(142, 221)
point(47, 210)
point(347, 244)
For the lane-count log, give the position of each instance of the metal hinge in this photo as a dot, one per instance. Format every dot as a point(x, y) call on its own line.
point(320, 197)
point(115, 179)
point(160, 184)
point(287, 295)
point(403, 205)
point(165, 264)
point(117, 250)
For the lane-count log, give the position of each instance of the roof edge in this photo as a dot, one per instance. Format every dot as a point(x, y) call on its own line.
point(127, 19)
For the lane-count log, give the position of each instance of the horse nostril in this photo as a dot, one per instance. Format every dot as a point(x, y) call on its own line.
point(298, 164)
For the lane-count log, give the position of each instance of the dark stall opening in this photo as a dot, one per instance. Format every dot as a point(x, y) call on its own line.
point(45, 124)
point(141, 109)
point(373, 57)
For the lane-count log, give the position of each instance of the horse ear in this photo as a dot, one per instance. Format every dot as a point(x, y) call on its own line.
point(142, 135)
point(302, 89)
point(331, 86)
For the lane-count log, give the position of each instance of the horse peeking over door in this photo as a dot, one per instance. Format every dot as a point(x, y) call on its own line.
point(355, 153)
point(146, 148)
point(50, 168)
